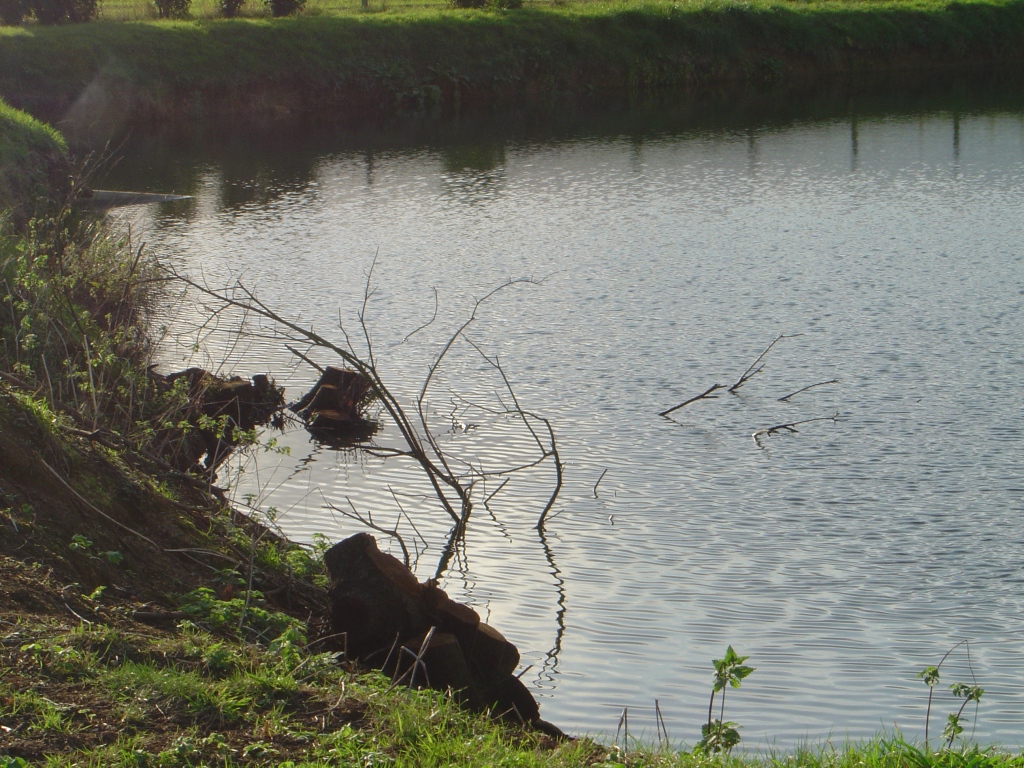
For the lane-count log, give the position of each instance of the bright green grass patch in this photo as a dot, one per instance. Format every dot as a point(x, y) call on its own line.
point(129, 695)
point(27, 148)
point(21, 135)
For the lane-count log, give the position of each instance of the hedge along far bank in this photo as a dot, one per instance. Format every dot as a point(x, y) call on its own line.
point(390, 61)
point(32, 154)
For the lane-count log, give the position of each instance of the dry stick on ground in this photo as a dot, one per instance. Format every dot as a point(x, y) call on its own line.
point(757, 366)
point(790, 427)
point(417, 663)
point(812, 386)
point(707, 394)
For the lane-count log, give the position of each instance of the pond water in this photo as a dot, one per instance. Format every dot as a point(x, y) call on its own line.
point(669, 245)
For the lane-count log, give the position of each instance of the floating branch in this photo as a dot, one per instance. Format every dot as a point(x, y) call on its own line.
point(757, 366)
point(812, 386)
point(707, 394)
point(790, 427)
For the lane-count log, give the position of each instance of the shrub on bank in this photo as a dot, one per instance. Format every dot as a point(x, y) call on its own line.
point(172, 9)
point(64, 11)
point(230, 8)
point(279, 8)
point(12, 12)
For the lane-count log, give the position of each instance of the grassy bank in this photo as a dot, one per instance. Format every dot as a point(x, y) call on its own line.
point(426, 56)
point(31, 154)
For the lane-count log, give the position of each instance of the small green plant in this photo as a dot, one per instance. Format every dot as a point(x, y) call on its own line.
point(930, 676)
point(83, 544)
point(953, 727)
point(113, 557)
point(721, 735)
point(237, 614)
point(79, 543)
point(96, 594)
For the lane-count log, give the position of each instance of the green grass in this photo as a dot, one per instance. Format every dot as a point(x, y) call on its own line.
point(417, 55)
point(132, 695)
point(28, 149)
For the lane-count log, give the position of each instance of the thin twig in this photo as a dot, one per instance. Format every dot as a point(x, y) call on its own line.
point(320, 369)
point(605, 472)
point(496, 491)
point(757, 366)
point(417, 662)
point(369, 523)
point(429, 322)
point(707, 394)
point(790, 427)
point(812, 386)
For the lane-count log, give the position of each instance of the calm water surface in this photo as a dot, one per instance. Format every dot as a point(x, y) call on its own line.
point(671, 248)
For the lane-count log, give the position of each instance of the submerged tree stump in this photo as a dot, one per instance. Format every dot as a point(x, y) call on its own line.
point(333, 409)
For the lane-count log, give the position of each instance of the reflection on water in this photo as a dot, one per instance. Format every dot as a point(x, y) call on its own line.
point(672, 244)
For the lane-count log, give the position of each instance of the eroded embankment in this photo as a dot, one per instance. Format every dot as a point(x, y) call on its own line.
point(383, 63)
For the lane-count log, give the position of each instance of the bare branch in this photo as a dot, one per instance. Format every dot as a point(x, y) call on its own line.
point(812, 386)
point(790, 427)
point(605, 472)
point(368, 291)
point(368, 521)
point(757, 366)
point(707, 394)
point(320, 369)
point(429, 322)
point(496, 491)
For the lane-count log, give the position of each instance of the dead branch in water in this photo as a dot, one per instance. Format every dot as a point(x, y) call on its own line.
point(548, 450)
point(812, 386)
point(757, 366)
point(790, 427)
point(451, 478)
point(707, 394)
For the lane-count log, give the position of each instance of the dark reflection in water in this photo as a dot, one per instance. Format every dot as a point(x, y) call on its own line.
point(260, 160)
point(678, 237)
